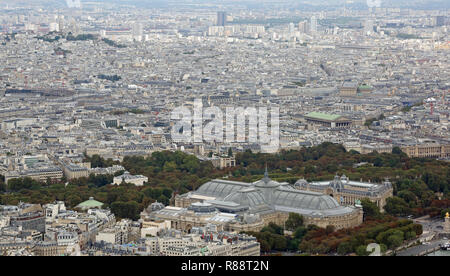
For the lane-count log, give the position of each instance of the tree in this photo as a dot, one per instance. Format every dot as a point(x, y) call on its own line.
point(170, 167)
point(280, 242)
point(273, 228)
point(397, 206)
point(370, 209)
point(344, 248)
point(418, 228)
point(265, 246)
point(96, 161)
point(329, 229)
point(2, 186)
point(393, 238)
point(230, 152)
point(17, 184)
point(378, 162)
point(396, 150)
point(407, 196)
point(410, 235)
point(300, 232)
point(294, 221)
point(362, 250)
point(126, 209)
point(394, 241)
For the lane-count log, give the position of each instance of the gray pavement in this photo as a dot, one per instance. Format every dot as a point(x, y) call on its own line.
point(420, 249)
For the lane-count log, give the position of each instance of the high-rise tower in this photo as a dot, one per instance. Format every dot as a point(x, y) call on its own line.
point(221, 18)
point(313, 26)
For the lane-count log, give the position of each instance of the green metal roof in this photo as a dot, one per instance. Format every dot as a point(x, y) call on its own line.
point(91, 203)
point(365, 86)
point(323, 116)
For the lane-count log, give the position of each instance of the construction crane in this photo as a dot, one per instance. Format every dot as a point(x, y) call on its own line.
point(431, 102)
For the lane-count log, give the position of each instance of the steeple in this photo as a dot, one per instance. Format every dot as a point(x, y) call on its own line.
point(266, 173)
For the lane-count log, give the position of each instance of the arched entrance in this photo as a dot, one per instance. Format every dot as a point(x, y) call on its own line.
point(188, 228)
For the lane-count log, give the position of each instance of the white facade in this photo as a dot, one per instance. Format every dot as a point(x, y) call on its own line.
point(137, 180)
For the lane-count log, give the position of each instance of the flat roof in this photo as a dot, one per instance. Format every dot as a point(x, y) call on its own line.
point(350, 183)
point(173, 208)
point(323, 116)
point(202, 197)
point(365, 86)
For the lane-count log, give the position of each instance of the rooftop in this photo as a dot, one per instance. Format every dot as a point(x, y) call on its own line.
point(91, 203)
point(323, 116)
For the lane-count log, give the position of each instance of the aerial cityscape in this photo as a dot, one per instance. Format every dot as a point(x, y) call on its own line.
point(224, 128)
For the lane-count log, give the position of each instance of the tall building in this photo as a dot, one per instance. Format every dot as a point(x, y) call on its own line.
point(302, 26)
point(138, 31)
point(74, 4)
point(368, 27)
point(440, 21)
point(221, 18)
point(61, 23)
point(313, 25)
point(74, 28)
point(53, 27)
point(291, 28)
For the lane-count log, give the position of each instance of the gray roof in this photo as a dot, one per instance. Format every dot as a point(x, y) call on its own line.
point(304, 200)
point(247, 197)
point(221, 188)
point(266, 194)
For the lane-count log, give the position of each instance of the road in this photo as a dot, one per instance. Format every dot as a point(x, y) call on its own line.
point(420, 249)
point(430, 227)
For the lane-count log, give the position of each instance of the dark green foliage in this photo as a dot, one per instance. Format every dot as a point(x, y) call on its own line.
point(273, 228)
point(18, 184)
point(386, 231)
point(294, 221)
point(100, 180)
point(81, 37)
point(113, 43)
point(397, 206)
point(98, 162)
point(371, 210)
point(126, 209)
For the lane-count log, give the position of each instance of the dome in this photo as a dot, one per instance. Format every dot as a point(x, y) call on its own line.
point(301, 183)
point(266, 182)
point(247, 197)
point(155, 206)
